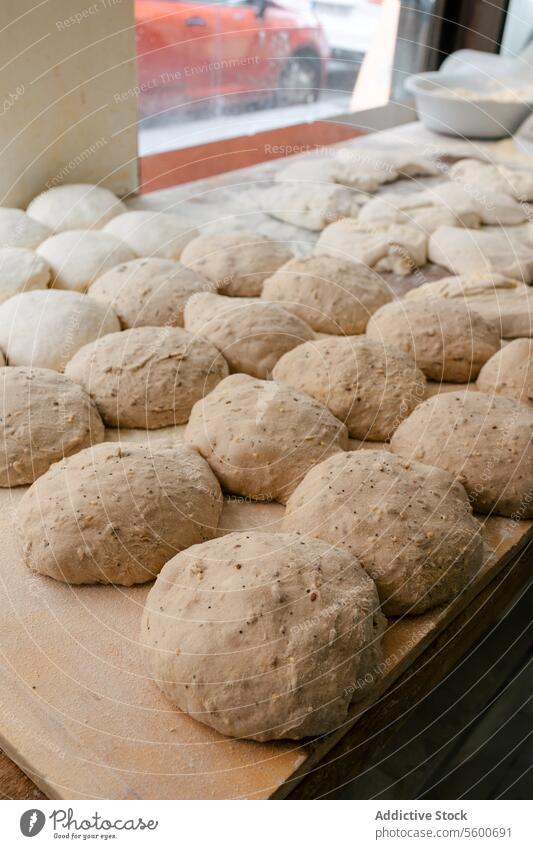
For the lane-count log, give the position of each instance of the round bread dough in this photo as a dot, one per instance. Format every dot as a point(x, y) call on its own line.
point(251, 334)
point(285, 624)
point(260, 437)
point(147, 377)
point(310, 206)
point(400, 248)
point(78, 257)
point(485, 442)
point(411, 525)
point(18, 230)
point(236, 263)
point(44, 417)
point(369, 386)
point(20, 271)
point(148, 292)
point(510, 372)
point(152, 234)
point(332, 295)
point(114, 514)
point(448, 340)
point(46, 327)
point(79, 206)
point(475, 175)
point(492, 250)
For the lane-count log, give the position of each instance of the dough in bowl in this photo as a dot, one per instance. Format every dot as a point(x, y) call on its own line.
point(78, 206)
point(369, 386)
point(332, 295)
point(21, 270)
point(250, 333)
point(510, 372)
point(262, 636)
point(448, 341)
point(152, 234)
point(46, 327)
point(78, 257)
point(147, 377)
point(485, 442)
point(236, 264)
point(114, 514)
point(400, 248)
point(410, 525)
point(148, 292)
point(18, 230)
point(260, 437)
point(44, 417)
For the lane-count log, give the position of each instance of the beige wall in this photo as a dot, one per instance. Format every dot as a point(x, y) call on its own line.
point(61, 64)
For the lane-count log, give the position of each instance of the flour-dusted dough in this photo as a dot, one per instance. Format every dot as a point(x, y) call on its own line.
point(79, 206)
point(400, 247)
point(308, 206)
point(411, 525)
point(448, 340)
point(485, 442)
point(491, 250)
point(236, 263)
point(250, 333)
point(148, 292)
point(476, 174)
point(147, 377)
point(78, 257)
point(46, 327)
point(261, 437)
point(114, 514)
point(369, 386)
point(263, 636)
point(20, 271)
point(316, 172)
point(332, 295)
point(510, 372)
point(152, 234)
point(44, 417)
point(18, 230)
point(391, 209)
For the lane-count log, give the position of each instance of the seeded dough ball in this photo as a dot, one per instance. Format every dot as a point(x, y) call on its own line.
point(260, 437)
point(21, 270)
point(148, 292)
point(236, 263)
point(44, 417)
point(510, 372)
point(251, 334)
point(448, 340)
point(79, 206)
point(485, 442)
point(262, 635)
point(78, 257)
point(46, 328)
point(152, 234)
point(18, 230)
point(411, 525)
point(114, 514)
point(147, 377)
point(332, 295)
point(368, 386)
point(399, 248)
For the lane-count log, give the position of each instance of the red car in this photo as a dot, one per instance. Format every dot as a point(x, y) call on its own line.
point(239, 49)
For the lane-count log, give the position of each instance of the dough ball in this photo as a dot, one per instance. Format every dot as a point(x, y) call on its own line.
point(114, 514)
point(368, 386)
point(18, 230)
point(236, 263)
point(152, 234)
point(79, 206)
point(44, 417)
point(251, 334)
point(312, 207)
point(20, 271)
point(448, 341)
point(411, 525)
point(147, 377)
point(78, 257)
point(148, 292)
point(310, 171)
point(387, 210)
point(490, 250)
point(485, 442)
point(510, 372)
point(261, 635)
point(46, 328)
point(475, 174)
point(399, 248)
point(332, 295)
point(260, 437)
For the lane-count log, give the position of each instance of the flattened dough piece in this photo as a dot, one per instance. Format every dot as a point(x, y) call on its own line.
point(489, 250)
point(399, 248)
point(114, 514)
point(21, 270)
point(473, 173)
point(387, 210)
point(332, 169)
point(77, 257)
point(152, 234)
point(18, 230)
point(216, 613)
point(79, 206)
point(261, 437)
point(510, 372)
point(309, 206)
